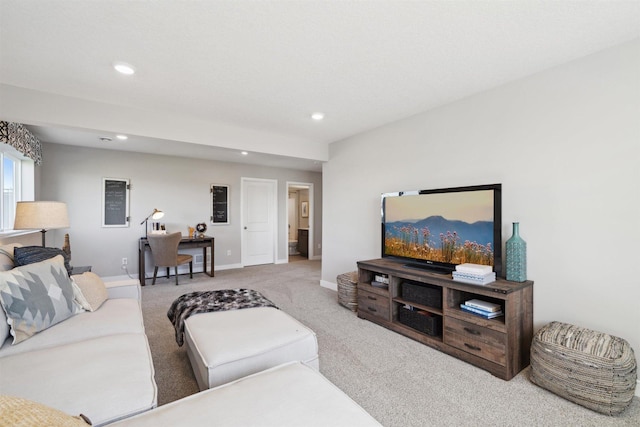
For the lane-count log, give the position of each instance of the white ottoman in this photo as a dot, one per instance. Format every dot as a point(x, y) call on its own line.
point(226, 345)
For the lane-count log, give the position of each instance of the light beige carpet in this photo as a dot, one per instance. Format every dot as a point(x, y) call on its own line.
point(397, 380)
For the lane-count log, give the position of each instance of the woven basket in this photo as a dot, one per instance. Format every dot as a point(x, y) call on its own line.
point(420, 321)
point(422, 294)
point(348, 290)
point(590, 368)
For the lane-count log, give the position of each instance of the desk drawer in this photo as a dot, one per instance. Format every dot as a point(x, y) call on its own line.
point(482, 342)
point(374, 304)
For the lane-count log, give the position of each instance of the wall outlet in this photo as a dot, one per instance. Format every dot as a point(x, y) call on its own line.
point(228, 252)
point(125, 261)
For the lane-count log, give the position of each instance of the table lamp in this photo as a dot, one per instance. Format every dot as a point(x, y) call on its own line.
point(41, 216)
point(156, 214)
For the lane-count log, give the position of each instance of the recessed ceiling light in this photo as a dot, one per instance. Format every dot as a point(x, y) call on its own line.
point(244, 153)
point(317, 116)
point(122, 137)
point(124, 68)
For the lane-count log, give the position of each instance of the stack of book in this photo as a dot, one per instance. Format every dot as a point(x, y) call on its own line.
point(380, 281)
point(475, 274)
point(485, 309)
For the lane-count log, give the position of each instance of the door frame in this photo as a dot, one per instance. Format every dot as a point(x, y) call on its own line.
point(274, 205)
point(309, 185)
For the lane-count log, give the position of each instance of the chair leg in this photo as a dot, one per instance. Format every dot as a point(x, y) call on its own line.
point(168, 275)
point(191, 270)
point(176, 268)
point(155, 273)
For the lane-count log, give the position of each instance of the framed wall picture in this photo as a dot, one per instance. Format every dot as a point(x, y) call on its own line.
point(304, 207)
point(115, 202)
point(219, 204)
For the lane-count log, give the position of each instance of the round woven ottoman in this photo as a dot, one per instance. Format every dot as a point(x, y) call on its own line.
point(590, 368)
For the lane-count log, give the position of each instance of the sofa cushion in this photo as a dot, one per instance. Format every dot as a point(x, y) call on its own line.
point(289, 395)
point(127, 288)
point(18, 412)
point(92, 291)
point(106, 378)
point(119, 316)
point(37, 296)
point(25, 255)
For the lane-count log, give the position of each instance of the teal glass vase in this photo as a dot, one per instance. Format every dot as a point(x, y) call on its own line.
point(516, 256)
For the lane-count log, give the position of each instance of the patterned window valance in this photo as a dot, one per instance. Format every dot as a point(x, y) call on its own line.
point(19, 137)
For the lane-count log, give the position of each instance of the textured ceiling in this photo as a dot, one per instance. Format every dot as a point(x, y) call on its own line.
point(265, 66)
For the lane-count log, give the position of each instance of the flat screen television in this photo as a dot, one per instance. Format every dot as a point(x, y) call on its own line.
point(441, 228)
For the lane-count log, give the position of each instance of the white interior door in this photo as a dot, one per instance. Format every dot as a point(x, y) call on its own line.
point(259, 215)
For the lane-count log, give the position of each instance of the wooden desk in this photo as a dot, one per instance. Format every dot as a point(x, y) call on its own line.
point(186, 242)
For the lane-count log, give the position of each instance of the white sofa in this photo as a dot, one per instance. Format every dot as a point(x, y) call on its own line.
point(94, 363)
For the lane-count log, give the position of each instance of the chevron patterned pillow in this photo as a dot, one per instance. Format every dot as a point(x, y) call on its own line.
point(37, 296)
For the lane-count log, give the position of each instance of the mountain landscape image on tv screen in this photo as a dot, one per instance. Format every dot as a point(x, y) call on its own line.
point(453, 228)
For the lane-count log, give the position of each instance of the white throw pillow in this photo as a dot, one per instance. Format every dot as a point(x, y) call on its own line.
point(90, 290)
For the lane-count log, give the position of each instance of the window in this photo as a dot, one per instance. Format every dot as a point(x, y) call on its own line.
point(17, 183)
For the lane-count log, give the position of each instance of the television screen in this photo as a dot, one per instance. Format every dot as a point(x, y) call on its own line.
point(444, 227)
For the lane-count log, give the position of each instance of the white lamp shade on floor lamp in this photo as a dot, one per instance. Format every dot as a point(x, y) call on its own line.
point(41, 216)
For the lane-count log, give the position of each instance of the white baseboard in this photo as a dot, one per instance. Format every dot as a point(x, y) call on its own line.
point(329, 285)
point(227, 267)
point(286, 260)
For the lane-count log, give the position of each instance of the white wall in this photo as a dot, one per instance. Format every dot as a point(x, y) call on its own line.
point(178, 186)
point(564, 143)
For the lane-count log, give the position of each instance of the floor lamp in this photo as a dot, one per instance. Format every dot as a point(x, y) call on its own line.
point(41, 216)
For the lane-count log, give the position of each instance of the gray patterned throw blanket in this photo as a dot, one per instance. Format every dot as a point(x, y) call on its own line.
point(206, 301)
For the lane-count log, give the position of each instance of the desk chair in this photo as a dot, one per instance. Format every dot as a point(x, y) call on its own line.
point(164, 248)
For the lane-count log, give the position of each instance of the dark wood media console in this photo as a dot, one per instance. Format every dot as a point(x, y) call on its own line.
point(499, 345)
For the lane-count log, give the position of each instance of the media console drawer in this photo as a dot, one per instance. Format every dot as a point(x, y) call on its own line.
point(374, 304)
point(483, 342)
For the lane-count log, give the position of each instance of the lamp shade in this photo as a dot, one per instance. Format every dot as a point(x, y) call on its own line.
point(157, 214)
point(41, 216)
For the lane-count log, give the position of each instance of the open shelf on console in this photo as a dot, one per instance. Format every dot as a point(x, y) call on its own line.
point(456, 297)
point(419, 306)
